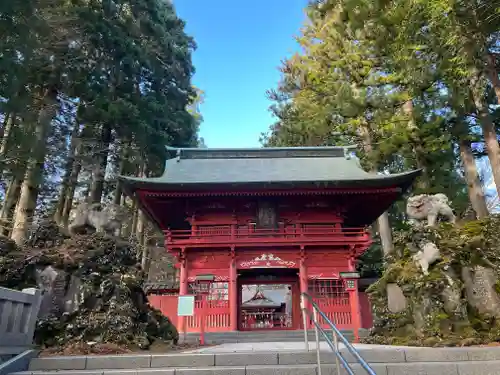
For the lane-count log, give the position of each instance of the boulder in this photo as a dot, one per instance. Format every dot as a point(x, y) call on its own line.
point(396, 300)
point(92, 291)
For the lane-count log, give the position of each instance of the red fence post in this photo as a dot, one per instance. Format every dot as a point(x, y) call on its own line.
point(303, 280)
point(233, 293)
point(355, 310)
point(204, 302)
point(183, 290)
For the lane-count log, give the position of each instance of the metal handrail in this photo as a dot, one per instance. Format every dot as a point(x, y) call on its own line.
point(334, 345)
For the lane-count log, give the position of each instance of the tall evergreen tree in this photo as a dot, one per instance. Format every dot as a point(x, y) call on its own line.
point(86, 88)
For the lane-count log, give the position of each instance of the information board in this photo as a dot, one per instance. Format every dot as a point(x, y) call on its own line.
point(185, 306)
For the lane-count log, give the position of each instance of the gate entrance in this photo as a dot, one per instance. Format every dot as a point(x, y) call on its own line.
point(268, 299)
point(333, 300)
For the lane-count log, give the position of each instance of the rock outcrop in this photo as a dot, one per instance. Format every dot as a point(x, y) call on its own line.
point(453, 299)
point(92, 289)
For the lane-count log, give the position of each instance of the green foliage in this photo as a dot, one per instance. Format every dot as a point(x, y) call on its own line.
point(349, 80)
point(122, 74)
point(394, 78)
point(371, 263)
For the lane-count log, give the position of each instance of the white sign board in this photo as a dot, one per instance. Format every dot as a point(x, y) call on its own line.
point(185, 306)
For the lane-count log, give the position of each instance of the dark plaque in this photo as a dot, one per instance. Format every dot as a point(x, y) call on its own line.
point(267, 217)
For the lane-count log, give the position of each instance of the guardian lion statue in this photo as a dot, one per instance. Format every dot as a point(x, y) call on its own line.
point(425, 257)
point(103, 218)
point(425, 206)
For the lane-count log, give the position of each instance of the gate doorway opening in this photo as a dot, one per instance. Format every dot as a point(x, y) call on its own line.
point(268, 299)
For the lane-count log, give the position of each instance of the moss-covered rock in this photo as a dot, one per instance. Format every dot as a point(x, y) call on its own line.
point(457, 303)
point(92, 291)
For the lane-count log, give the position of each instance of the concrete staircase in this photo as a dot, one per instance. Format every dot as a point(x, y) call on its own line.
point(384, 361)
point(262, 336)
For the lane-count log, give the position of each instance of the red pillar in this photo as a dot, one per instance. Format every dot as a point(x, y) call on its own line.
point(303, 279)
point(183, 290)
point(233, 293)
point(355, 304)
point(203, 320)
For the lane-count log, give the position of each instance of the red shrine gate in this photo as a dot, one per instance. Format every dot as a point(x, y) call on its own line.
point(290, 217)
point(225, 312)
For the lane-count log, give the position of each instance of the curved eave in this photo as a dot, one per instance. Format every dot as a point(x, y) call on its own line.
point(397, 183)
point(401, 180)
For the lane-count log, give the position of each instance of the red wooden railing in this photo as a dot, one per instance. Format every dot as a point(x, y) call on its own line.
point(217, 317)
point(338, 310)
point(333, 300)
point(241, 234)
point(215, 305)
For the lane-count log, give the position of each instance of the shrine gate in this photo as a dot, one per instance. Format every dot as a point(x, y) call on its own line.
point(267, 224)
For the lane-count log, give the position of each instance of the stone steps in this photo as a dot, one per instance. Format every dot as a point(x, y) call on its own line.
point(417, 368)
point(383, 360)
point(261, 336)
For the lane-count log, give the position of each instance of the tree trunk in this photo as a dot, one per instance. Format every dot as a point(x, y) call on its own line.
point(68, 168)
point(129, 228)
point(86, 192)
point(118, 193)
point(135, 218)
point(29, 189)
point(4, 141)
point(7, 211)
point(145, 255)
point(140, 219)
point(70, 194)
point(423, 182)
point(491, 69)
point(6, 120)
point(489, 132)
point(121, 170)
point(99, 173)
point(6, 130)
point(384, 227)
point(385, 233)
point(474, 188)
point(2, 132)
point(139, 232)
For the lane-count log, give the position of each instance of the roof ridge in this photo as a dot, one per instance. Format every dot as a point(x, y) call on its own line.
point(260, 153)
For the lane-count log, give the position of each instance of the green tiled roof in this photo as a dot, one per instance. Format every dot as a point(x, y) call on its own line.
point(323, 166)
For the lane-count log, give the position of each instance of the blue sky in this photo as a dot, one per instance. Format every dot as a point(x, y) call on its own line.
point(240, 46)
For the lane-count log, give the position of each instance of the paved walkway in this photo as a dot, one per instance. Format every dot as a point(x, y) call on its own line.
point(279, 346)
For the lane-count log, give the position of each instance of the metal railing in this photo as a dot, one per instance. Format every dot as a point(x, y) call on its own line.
point(333, 342)
point(18, 315)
